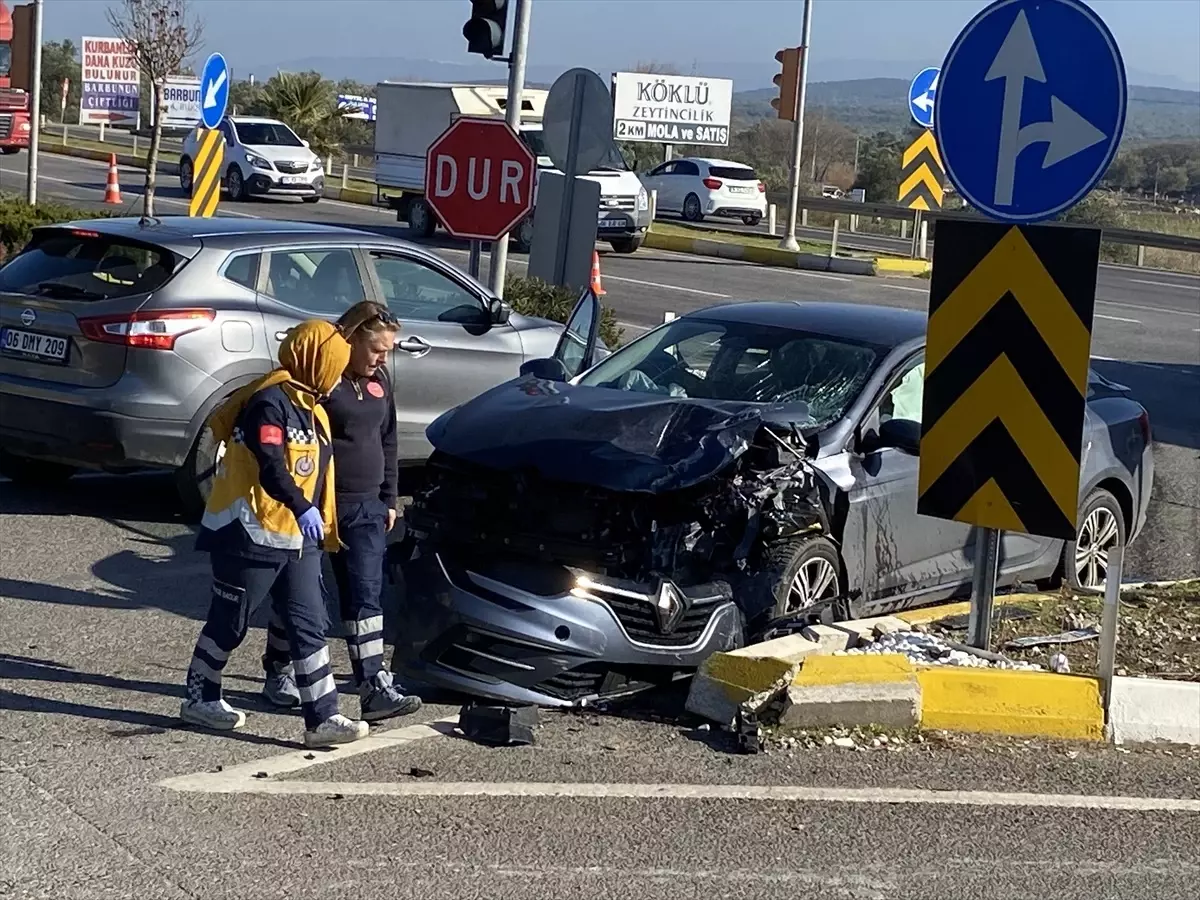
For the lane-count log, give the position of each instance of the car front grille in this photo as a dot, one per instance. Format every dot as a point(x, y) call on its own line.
point(641, 622)
point(292, 168)
point(613, 204)
point(6, 123)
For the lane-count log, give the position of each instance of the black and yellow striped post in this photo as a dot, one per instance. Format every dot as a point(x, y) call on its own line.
point(1006, 373)
point(206, 173)
point(921, 175)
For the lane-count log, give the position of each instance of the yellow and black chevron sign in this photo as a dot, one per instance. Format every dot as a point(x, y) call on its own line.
point(1006, 371)
point(921, 174)
point(206, 173)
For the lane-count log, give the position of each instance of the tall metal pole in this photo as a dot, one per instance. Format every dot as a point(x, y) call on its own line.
point(789, 239)
point(512, 115)
point(35, 106)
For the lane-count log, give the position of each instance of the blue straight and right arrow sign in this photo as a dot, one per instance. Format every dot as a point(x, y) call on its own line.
point(1030, 107)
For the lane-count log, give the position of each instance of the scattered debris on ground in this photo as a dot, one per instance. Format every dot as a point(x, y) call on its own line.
point(498, 725)
point(931, 649)
point(1159, 631)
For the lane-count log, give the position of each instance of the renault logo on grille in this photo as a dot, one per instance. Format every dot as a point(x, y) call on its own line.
point(669, 606)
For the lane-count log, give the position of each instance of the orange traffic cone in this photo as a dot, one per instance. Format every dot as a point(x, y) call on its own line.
point(597, 288)
point(112, 193)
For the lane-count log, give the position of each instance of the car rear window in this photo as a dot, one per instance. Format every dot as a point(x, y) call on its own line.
point(76, 264)
point(733, 173)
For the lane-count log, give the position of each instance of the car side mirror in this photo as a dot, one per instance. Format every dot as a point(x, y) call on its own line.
point(548, 369)
point(304, 142)
point(903, 434)
point(498, 312)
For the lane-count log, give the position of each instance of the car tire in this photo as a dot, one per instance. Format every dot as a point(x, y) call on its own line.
point(627, 245)
point(34, 472)
point(523, 235)
point(193, 480)
point(310, 199)
point(752, 221)
point(421, 220)
point(185, 175)
point(8, 151)
point(692, 210)
point(802, 572)
point(235, 184)
point(1101, 527)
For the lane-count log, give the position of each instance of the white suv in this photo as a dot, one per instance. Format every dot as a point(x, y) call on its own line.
point(696, 187)
point(262, 156)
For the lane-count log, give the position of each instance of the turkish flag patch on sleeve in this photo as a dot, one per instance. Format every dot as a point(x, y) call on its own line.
point(270, 434)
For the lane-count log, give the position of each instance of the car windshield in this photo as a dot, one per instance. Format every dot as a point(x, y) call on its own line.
point(536, 142)
point(76, 264)
point(738, 361)
point(256, 134)
point(733, 173)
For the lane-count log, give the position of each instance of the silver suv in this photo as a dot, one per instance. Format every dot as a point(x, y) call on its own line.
point(118, 337)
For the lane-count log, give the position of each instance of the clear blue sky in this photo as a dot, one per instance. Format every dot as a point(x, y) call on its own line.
point(1160, 39)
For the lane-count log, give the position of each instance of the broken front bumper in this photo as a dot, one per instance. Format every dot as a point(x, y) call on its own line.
point(532, 633)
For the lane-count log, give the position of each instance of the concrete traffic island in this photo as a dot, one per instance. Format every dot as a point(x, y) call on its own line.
point(890, 673)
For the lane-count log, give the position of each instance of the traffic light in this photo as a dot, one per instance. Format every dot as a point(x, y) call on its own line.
point(789, 83)
point(485, 29)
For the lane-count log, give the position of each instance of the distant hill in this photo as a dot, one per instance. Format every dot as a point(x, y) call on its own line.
point(880, 104)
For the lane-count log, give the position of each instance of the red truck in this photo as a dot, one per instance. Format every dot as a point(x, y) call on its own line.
point(14, 102)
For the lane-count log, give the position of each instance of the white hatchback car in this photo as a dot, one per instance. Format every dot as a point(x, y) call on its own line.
point(696, 187)
point(262, 156)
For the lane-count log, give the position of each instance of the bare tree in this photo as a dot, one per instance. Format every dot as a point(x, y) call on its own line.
point(163, 35)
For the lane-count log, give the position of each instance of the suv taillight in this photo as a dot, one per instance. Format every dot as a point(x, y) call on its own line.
point(1144, 422)
point(762, 188)
point(149, 329)
point(713, 184)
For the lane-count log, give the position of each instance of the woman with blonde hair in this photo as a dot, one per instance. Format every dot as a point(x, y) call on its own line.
point(270, 513)
point(362, 416)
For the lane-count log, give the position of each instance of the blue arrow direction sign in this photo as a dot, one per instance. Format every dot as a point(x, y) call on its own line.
point(1030, 107)
point(921, 95)
point(214, 90)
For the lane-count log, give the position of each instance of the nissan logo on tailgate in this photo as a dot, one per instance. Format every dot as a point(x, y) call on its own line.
point(28, 317)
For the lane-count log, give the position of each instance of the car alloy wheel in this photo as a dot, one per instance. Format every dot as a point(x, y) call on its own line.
point(1098, 535)
point(691, 208)
point(185, 176)
point(814, 581)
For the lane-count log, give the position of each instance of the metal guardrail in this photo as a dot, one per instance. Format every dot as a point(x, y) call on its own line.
point(1126, 236)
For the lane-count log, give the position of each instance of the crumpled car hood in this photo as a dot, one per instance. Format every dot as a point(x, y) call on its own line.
point(619, 440)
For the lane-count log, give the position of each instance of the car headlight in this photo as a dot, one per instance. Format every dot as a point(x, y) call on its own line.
point(643, 202)
point(316, 164)
point(257, 161)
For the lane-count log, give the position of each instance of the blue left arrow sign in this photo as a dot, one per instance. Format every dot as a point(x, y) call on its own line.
point(214, 90)
point(922, 94)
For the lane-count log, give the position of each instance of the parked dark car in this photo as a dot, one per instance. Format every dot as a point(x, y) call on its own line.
point(581, 536)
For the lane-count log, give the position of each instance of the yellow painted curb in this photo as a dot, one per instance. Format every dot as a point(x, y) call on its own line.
point(990, 701)
point(750, 674)
point(903, 266)
point(928, 614)
point(350, 195)
point(857, 669)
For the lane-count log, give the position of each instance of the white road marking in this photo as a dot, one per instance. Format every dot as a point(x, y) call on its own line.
point(901, 287)
point(1128, 362)
point(1118, 319)
point(765, 793)
point(672, 254)
point(237, 779)
point(634, 325)
point(1153, 309)
point(1166, 284)
point(665, 287)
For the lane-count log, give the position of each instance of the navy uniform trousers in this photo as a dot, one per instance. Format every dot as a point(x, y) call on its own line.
point(239, 585)
point(358, 571)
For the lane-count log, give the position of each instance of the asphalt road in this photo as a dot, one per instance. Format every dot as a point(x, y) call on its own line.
point(101, 595)
point(1147, 329)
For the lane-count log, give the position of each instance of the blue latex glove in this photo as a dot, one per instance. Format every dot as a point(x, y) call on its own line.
point(311, 526)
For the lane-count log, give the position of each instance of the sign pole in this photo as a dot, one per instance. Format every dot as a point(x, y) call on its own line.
point(789, 239)
point(983, 587)
point(473, 259)
point(512, 115)
point(35, 106)
point(1108, 623)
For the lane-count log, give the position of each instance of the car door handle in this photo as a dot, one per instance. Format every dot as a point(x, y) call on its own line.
point(413, 345)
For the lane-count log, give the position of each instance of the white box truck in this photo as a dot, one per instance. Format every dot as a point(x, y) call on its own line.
point(411, 115)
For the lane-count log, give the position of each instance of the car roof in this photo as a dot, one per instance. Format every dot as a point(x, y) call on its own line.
point(884, 326)
point(263, 119)
point(185, 233)
point(720, 162)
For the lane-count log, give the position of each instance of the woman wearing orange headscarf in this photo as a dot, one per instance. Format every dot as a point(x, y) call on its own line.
point(270, 514)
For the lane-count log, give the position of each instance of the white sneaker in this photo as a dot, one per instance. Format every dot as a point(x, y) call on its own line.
point(336, 730)
point(212, 714)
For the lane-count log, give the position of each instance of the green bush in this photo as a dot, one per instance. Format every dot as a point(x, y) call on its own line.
point(18, 219)
point(534, 297)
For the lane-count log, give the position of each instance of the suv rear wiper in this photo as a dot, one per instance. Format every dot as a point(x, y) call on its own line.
point(67, 291)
